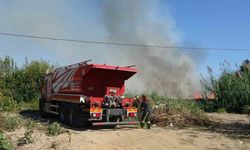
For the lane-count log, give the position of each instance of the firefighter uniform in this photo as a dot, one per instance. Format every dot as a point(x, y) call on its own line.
point(145, 110)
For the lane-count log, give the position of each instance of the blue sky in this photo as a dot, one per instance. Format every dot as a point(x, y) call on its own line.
point(206, 23)
point(214, 23)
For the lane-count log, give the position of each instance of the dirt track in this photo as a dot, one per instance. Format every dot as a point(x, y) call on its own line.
point(139, 139)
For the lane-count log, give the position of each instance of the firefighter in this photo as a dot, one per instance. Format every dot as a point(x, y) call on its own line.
point(145, 110)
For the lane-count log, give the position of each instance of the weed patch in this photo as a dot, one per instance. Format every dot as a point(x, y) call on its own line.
point(4, 143)
point(27, 139)
point(54, 129)
point(176, 112)
point(10, 123)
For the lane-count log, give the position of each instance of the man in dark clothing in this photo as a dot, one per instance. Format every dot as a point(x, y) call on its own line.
point(145, 110)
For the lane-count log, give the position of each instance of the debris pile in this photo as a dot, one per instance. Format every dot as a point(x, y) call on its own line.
point(177, 117)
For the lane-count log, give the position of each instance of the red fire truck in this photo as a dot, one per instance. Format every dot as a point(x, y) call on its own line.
point(82, 94)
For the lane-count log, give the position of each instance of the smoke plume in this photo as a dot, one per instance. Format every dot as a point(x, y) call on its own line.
point(167, 71)
point(146, 22)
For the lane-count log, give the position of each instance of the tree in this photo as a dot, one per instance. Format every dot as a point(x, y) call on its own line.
point(7, 68)
point(232, 88)
point(22, 84)
point(28, 81)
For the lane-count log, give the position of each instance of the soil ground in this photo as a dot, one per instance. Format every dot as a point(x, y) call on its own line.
point(228, 132)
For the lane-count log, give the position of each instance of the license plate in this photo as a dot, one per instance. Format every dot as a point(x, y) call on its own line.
point(132, 110)
point(95, 110)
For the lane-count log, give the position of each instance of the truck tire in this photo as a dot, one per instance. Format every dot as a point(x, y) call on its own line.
point(73, 111)
point(43, 114)
point(77, 118)
point(64, 114)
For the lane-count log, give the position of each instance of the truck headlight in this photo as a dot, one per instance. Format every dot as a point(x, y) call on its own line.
point(82, 100)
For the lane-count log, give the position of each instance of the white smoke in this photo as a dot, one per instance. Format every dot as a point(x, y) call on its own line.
point(168, 71)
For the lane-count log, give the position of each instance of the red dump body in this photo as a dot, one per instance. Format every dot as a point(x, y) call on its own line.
point(91, 85)
point(93, 80)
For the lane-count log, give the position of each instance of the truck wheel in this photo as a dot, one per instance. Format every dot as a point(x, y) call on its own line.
point(73, 115)
point(64, 115)
point(42, 109)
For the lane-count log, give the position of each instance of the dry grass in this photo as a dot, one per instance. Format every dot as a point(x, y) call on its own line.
point(176, 112)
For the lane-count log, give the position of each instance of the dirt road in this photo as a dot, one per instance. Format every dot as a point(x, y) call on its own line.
point(136, 139)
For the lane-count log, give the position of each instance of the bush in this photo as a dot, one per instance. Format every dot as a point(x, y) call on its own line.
point(246, 109)
point(208, 105)
point(4, 144)
point(30, 124)
point(21, 84)
point(7, 104)
point(54, 129)
point(1, 123)
point(31, 105)
point(27, 81)
point(10, 123)
point(221, 110)
point(27, 139)
point(232, 88)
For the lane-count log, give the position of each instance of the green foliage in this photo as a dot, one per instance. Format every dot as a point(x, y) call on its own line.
point(27, 139)
point(246, 109)
point(1, 123)
point(177, 112)
point(26, 82)
point(208, 105)
point(4, 143)
point(19, 85)
point(221, 110)
point(232, 88)
point(172, 102)
point(30, 124)
point(7, 104)
point(155, 99)
point(10, 123)
point(54, 129)
point(31, 105)
point(180, 105)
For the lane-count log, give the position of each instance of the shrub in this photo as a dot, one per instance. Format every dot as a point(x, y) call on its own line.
point(221, 110)
point(208, 105)
point(177, 112)
point(54, 129)
point(4, 143)
point(232, 88)
point(21, 84)
point(30, 124)
point(7, 104)
point(246, 109)
point(31, 105)
point(1, 123)
point(27, 139)
point(27, 81)
point(10, 123)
